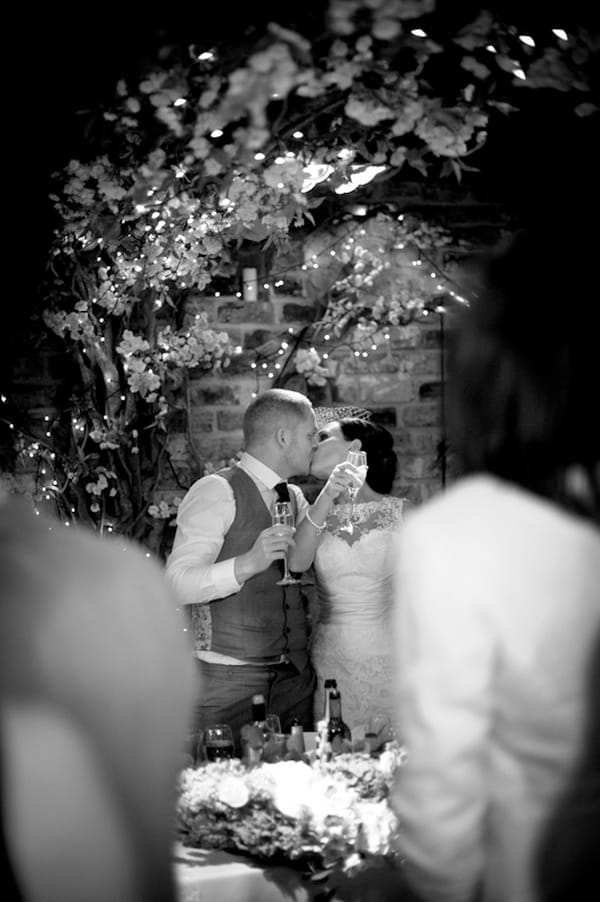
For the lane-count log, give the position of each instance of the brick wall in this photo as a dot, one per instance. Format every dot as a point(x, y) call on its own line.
point(401, 383)
point(39, 375)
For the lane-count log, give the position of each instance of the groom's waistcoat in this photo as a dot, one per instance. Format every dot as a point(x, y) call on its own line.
point(262, 620)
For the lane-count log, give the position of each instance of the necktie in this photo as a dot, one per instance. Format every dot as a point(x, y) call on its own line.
point(283, 494)
point(282, 490)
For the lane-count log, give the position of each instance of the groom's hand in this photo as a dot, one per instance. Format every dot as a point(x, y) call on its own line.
point(271, 545)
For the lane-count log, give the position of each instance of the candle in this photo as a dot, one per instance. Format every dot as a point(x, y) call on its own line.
point(249, 284)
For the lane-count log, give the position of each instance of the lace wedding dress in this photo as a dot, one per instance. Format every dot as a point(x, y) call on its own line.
point(351, 639)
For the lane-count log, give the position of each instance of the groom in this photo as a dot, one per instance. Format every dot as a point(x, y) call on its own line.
point(250, 634)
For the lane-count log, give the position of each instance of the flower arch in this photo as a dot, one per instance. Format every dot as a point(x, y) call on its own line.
point(220, 154)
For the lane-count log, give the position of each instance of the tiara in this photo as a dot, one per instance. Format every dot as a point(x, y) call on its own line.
point(326, 415)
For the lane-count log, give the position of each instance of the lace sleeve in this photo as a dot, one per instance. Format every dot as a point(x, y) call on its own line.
point(384, 515)
point(390, 513)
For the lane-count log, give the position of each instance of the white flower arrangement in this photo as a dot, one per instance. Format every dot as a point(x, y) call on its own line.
point(332, 815)
point(308, 364)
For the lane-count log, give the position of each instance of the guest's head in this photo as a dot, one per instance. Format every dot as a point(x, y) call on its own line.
point(523, 369)
point(280, 430)
point(338, 437)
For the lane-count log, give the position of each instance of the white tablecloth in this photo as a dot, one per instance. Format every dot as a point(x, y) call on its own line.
point(212, 876)
point(209, 876)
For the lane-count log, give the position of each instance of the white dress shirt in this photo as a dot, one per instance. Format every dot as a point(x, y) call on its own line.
point(203, 520)
point(497, 606)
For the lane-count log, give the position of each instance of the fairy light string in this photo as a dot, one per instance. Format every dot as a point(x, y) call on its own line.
point(318, 337)
point(321, 334)
point(513, 51)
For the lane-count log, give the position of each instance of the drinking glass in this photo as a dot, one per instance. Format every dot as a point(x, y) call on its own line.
point(217, 742)
point(273, 723)
point(283, 516)
point(378, 724)
point(359, 460)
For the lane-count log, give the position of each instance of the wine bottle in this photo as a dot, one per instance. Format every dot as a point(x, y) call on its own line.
point(338, 732)
point(259, 715)
point(328, 685)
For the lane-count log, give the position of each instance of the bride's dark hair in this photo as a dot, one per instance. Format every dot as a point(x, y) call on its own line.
point(378, 444)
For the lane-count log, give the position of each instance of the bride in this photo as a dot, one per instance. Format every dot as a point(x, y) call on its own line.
point(353, 567)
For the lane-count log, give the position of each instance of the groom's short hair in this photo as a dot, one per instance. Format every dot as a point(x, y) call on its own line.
point(275, 407)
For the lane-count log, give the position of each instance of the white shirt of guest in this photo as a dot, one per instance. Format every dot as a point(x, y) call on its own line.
point(497, 608)
point(204, 518)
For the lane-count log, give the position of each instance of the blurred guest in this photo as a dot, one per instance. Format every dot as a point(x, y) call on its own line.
point(498, 580)
point(249, 633)
point(96, 687)
point(568, 855)
point(353, 565)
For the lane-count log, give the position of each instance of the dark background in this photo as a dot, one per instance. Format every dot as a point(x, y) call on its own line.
point(64, 60)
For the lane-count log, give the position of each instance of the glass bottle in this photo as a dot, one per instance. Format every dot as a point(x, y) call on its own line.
point(328, 685)
point(259, 715)
point(337, 730)
point(296, 740)
point(257, 733)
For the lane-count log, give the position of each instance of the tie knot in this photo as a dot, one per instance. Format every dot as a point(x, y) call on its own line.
point(282, 491)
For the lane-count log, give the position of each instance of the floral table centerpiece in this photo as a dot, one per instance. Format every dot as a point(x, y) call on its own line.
point(328, 815)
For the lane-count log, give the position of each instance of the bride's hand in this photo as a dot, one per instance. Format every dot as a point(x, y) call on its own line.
point(342, 477)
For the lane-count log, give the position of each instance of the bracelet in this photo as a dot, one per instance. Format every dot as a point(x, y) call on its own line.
point(312, 523)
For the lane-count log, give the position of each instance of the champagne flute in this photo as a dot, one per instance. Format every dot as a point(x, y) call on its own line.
point(273, 722)
point(283, 517)
point(359, 460)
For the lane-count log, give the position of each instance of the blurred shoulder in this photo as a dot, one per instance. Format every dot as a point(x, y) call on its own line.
point(470, 492)
point(481, 507)
point(466, 508)
point(73, 779)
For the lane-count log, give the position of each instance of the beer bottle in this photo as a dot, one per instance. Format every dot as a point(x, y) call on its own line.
point(337, 730)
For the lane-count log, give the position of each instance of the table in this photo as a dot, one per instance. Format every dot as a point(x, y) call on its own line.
point(207, 875)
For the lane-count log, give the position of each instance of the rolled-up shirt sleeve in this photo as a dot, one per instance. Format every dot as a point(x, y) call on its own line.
point(302, 504)
point(203, 520)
